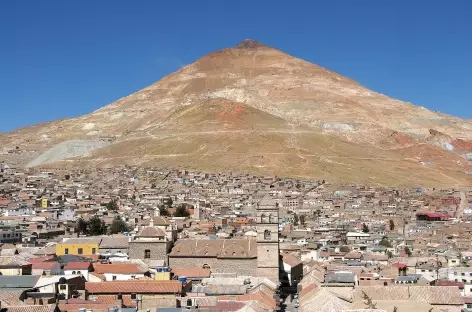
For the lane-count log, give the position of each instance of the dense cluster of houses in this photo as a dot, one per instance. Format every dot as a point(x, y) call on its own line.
point(245, 243)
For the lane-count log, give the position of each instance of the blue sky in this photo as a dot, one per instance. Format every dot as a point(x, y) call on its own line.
point(62, 59)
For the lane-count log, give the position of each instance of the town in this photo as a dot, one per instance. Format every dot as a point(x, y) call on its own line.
point(159, 239)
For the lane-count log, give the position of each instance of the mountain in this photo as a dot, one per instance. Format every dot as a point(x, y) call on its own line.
point(256, 109)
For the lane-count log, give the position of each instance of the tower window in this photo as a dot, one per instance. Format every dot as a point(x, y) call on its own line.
point(266, 235)
point(262, 218)
point(147, 254)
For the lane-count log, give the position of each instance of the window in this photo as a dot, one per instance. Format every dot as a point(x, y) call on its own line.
point(73, 272)
point(464, 281)
point(133, 276)
point(266, 235)
point(206, 266)
point(114, 277)
point(80, 251)
point(66, 251)
point(147, 254)
point(94, 250)
point(463, 274)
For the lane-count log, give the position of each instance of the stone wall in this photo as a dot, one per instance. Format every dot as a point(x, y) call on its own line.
point(246, 267)
point(268, 255)
point(158, 250)
point(270, 273)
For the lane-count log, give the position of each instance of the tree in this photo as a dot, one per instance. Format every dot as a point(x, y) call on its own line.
point(168, 202)
point(112, 205)
point(302, 220)
point(365, 228)
point(118, 226)
point(97, 226)
point(389, 254)
point(385, 243)
point(392, 225)
point(407, 251)
point(163, 211)
point(81, 226)
point(181, 211)
point(345, 249)
point(295, 219)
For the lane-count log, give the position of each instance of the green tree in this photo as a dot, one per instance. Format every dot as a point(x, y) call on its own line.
point(81, 227)
point(295, 219)
point(163, 211)
point(181, 211)
point(407, 251)
point(168, 202)
point(392, 225)
point(97, 226)
point(118, 226)
point(345, 249)
point(302, 220)
point(385, 243)
point(365, 228)
point(112, 205)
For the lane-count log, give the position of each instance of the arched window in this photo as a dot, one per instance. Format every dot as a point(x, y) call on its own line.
point(271, 218)
point(73, 272)
point(262, 218)
point(266, 235)
point(206, 266)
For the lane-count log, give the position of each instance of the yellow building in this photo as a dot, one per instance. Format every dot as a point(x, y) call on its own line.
point(78, 247)
point(44, 203)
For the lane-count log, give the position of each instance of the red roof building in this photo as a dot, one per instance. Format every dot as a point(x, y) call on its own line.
point(134, 287)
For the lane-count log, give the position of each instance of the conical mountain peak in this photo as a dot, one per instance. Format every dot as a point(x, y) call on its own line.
point(250, 44)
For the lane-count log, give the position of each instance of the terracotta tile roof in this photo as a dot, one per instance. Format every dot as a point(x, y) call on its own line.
point(8, 298)
point(447, 295)
point(111, 299)
point(135, 286)
point(32, 308)
point(224, 306)
point(39, 259)
point(115, 242)
point(117, 268)
point(12, 261)
point(160, 221)
point(45, 265)
point(224, 248)
point(90, 305)
point(467, 299)
point(77, 266)
point(151, 231)
point(191, 272)
point(450, 283)
point(291, 260)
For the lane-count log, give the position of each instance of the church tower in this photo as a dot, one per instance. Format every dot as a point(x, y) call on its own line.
point(268, 256)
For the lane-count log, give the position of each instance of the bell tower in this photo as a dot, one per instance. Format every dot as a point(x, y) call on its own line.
point(268, 256)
